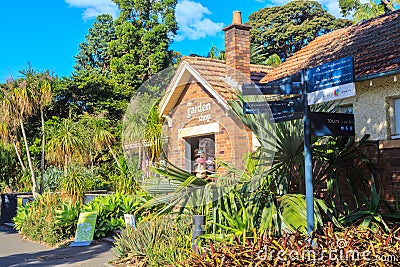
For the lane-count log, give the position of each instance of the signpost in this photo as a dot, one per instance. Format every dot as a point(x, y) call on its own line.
point(331, 81)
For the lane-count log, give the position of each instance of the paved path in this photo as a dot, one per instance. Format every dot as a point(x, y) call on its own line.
point(15, 251)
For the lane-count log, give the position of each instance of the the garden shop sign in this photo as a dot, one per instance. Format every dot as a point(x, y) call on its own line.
point(199, 109)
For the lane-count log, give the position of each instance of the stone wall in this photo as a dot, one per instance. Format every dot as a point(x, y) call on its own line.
point(372, 107)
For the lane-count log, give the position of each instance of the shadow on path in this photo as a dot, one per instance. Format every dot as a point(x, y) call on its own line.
point(15, 251)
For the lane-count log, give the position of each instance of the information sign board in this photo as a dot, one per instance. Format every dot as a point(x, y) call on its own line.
point(331, 81)
point(289, 85)
point(85, 229)
point(331, 124)
point(282, 110)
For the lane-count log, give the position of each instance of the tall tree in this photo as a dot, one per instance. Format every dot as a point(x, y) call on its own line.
point(67, 142)
point(117, 56)
point(283, 30)
point(22, 98)
point(144, 32)
point(362, 10)
point(93, 52)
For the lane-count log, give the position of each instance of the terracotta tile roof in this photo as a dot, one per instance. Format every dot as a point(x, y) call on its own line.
point(212, 70)
point(374, 44)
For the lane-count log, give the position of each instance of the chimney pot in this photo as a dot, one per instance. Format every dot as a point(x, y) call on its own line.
point(237, 18)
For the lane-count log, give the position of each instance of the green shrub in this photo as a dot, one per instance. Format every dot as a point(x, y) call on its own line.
point(161, 241)
point(74, 182)
point(37, 220)
point(52, 218)
point(111, 209)
point(67, 215)
point(52, 178)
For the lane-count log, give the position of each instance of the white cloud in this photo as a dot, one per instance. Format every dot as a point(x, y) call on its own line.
point(192, 22)
point(94, 8)
point(331, 6)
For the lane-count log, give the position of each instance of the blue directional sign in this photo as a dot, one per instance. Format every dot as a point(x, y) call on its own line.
point(287, 105)
point(331, 81)
point(289, 85)
point(331, 124)
point(282, 110)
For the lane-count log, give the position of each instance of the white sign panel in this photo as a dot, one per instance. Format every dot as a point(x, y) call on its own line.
point(331, 94)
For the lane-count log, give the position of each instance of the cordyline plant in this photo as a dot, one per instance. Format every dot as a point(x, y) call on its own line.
point(352, 246)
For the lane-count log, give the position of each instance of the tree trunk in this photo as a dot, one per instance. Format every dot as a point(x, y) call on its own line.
point(19, 156)
point(28, 154)
point(41, 186)
point(114, 156)
point(388, 5)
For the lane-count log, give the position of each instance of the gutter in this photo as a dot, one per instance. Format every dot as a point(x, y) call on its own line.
point(377, 75)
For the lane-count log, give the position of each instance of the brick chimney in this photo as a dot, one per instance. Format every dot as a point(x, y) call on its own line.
point(237, 45)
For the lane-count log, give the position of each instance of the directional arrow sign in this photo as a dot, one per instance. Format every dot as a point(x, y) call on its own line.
point(282, 110)
point(292, 84)
point(332, 124)
point(287, 105)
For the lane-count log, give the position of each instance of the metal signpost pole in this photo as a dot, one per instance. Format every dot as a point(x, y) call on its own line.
point(308, 162)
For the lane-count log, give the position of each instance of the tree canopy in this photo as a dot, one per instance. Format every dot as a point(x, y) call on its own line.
point(283, 30)
point(362, 10)
point(118, 55)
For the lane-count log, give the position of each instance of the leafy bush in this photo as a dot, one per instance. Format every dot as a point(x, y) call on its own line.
point(162, 241)
point(74, 182)
point(37, 220)
point(110, 211)
point(52, 178)
point(349, 247)
point(52, 218)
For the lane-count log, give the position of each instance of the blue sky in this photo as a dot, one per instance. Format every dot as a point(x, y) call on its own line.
point(47, 33)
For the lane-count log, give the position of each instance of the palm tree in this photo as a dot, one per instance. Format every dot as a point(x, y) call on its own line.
point(21, 99)
point(102, 138)
point(9, 127)
point(18, 103)
point(40, 86)
point(67, 142)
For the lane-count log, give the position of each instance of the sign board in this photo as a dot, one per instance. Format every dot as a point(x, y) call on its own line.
point(331, 81)
point(287, 105)
point(85, 229)
point(332, 124)
point(292, 84)
point(282, 110)
point(130, 220)
point(255, 107)
point(280, 117)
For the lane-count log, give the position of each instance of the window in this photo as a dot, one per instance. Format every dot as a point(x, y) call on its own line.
point(347, 109)
point(395, 114)
point(199, 146)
